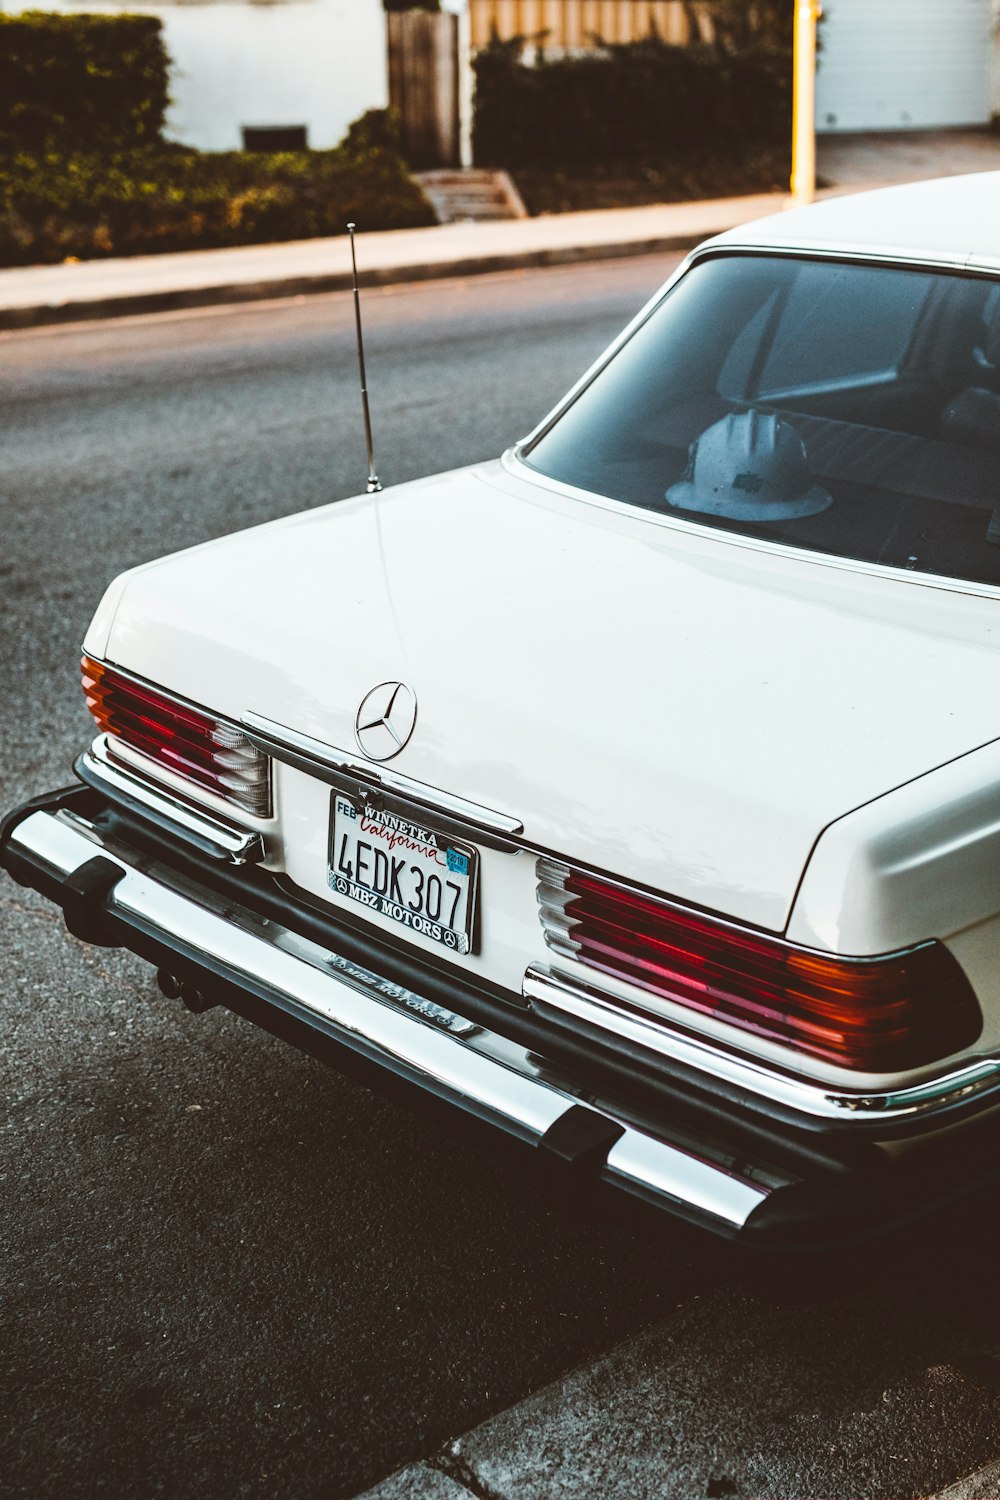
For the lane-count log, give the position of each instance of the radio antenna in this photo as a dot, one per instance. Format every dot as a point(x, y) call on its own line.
point(374, 483)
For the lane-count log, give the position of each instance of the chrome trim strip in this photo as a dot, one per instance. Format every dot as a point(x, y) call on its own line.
point(722, 246)
point(238, 846)
point(980, 1079)
point(293, 747)
point(877, 255)
point(351, 1005)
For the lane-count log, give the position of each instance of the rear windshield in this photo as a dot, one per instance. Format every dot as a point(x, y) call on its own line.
point(847, 409)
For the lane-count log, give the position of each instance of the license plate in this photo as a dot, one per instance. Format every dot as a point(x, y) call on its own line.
point(399, 869)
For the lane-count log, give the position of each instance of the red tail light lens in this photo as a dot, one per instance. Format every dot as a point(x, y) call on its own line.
point(209, 752)
point(877, 1015)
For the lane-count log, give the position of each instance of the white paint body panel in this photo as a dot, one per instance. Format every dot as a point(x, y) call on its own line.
point(952, 222)
point(923, 861)
point(697, 711)
point(905, 64)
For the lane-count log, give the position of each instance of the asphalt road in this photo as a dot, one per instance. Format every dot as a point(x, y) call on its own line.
point(229, 1271)
point(226, 1271)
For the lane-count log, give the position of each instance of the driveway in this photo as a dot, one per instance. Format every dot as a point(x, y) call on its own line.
point(870, 160)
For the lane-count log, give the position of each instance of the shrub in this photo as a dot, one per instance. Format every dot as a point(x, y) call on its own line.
point(173, 198)
point(633, 103)
point(81, 83)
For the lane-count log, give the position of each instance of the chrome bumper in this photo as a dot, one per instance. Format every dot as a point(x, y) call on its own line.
point(123, 882)
point(480, 1072)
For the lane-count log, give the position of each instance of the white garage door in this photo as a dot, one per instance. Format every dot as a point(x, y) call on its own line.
point(905, 64)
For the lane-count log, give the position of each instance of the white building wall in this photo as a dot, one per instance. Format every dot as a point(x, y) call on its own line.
point(318, 63)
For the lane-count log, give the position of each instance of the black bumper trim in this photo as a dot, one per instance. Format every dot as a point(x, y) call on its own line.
point(83, 896)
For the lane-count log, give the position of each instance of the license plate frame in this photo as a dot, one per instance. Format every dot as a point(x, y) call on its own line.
point(405, 837)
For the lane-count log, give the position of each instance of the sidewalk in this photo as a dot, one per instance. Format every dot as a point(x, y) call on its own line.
point(148, 283)
point(31, 295)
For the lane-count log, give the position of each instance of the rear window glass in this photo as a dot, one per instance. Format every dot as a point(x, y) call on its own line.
point(847, 409)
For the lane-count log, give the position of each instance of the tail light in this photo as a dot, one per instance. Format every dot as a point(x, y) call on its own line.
point(206, 751)
point(877, 1015)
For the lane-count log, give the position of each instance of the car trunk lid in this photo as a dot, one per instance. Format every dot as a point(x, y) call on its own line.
point(676, 707)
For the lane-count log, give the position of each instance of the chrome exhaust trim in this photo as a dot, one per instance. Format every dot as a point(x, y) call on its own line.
point(481, 1072)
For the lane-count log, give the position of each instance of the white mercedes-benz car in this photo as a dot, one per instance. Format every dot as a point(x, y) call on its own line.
point(636, 794)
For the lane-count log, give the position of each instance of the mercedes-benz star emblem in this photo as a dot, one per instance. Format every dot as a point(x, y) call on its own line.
point(385, 720)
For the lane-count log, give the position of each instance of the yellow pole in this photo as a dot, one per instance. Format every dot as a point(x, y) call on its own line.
point(807, 12)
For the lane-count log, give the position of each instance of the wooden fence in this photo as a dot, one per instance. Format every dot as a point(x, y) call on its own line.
point(430, 82)
point(576, 23)
point(424, 85)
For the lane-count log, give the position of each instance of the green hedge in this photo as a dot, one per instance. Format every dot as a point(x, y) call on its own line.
point(633, 104)
point(171, 198)
point(81, 83)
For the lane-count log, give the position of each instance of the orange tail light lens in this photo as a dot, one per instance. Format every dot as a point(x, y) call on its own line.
point(206, 751)
point(878, 1015)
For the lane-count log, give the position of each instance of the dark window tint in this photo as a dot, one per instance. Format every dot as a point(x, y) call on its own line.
point(847, 409)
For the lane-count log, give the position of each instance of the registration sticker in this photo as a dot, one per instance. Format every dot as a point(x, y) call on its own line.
point(402, 870)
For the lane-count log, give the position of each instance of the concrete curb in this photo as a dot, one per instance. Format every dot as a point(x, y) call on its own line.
point(983, 1485)
point(703, 1404)
point(132, 303)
